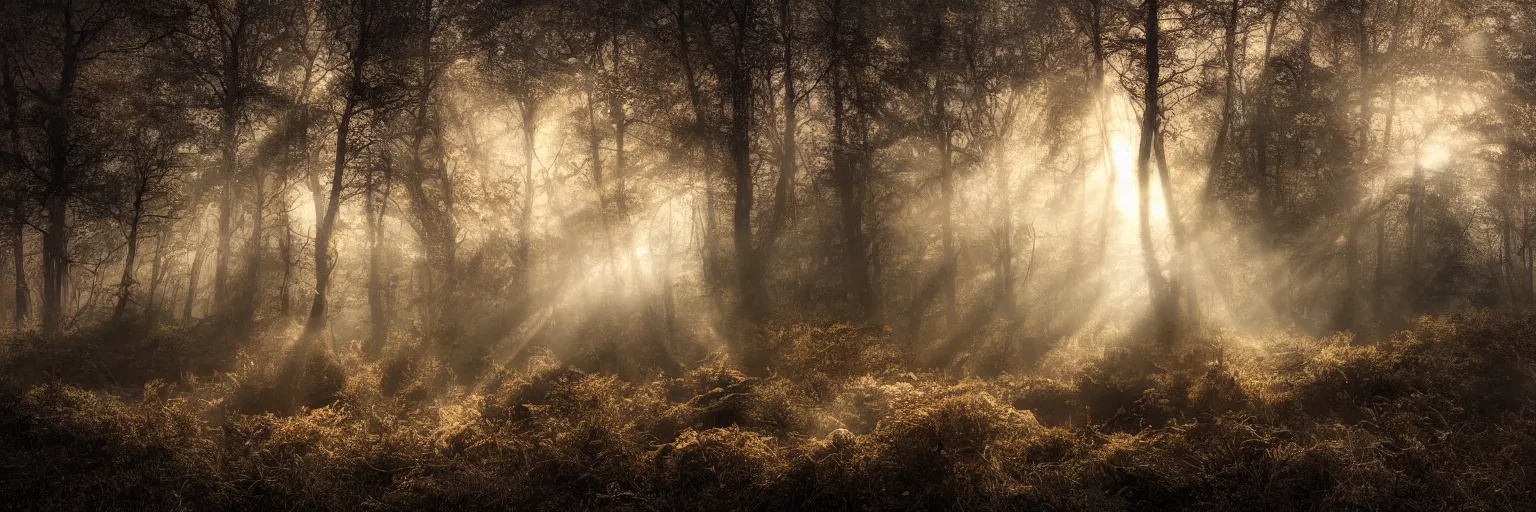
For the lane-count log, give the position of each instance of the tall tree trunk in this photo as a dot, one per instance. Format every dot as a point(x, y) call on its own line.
point(1157, 286)
point(156, 276)
point(846, 177)
point(1379, 295)
point(285, 251)
point(710, 264)
point(193, 235)
point(741, 219)
point(1413, 218)
point(1263, 129)
point(616, 111)
point(949, 265)
point(851, 200)
point(435, 307)
point(1523, 276)
point(56, 238)
point(739, 145)
point(226, 213)
point(326, 223)
point(1512, 196)
point(783, 190)
point(18, 257)
point(375, 203)
point(525, 221)
point(250, 291)
point(1507, 257)
point(18, 214)
point(376, 321)
point(229, 154)
point(1224, 126)
point(316, 192)
point(231, 109)
point(433, 212)
point(1007, 293)
point(76, 42)
point(1005, 273)
point(1349, 316)
point(125, 285)
point(193, 273)
point(618, 114)
point(1181, 285)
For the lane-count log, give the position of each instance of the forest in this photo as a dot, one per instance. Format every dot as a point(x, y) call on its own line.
point(768, 254)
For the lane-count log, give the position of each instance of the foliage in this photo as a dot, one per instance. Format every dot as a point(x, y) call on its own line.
point(1440, 416)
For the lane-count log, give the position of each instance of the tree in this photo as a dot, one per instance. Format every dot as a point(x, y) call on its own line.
point(227, 48)
point(150, 168)
point(848, 49)
point(426, 179)
point(361, 31)
point(1159, 289)
point(73, 37)
point(18, 197)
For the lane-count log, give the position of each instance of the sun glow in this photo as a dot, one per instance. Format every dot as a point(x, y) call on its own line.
point(1434, 155)
point(1122, 137)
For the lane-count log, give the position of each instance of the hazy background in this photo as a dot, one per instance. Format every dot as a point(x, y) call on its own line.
point(636, 184)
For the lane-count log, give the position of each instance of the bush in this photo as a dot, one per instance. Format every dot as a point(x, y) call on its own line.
point(1439, 416)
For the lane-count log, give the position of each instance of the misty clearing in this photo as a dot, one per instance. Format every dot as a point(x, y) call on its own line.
point(768, 254)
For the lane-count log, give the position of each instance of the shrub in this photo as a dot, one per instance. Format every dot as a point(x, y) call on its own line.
point(718, 469)
point(1442, 415)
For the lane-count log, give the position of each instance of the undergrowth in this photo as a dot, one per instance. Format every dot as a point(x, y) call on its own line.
point(1439, 416)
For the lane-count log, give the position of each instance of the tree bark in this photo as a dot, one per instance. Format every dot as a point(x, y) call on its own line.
point(18, 213)
point(230, 111)
point(739, 146)
point(285, 251)
point(847, 179)
point(710, 259)
point(1507, 256)
point(375, 204)
point(783, 191)
point(251, 291)
point(1157, 285)
point(156, 276)
point(126, 283)
point(56, 238)
point(1224, 126)
point(1263, 129)
point(851, 200)
point(1006, 299)
point(1181, 284)
point(226, 214)
point(327, 222)
point(599, 183)
point(1349, 315)
point(1379, 280)
point(18, 257)
point(193, 274)
point(434, 213)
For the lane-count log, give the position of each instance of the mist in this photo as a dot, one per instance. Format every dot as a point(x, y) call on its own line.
point(996, 254)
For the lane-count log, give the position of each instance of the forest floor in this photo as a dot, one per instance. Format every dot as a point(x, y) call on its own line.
point(1439, 416)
